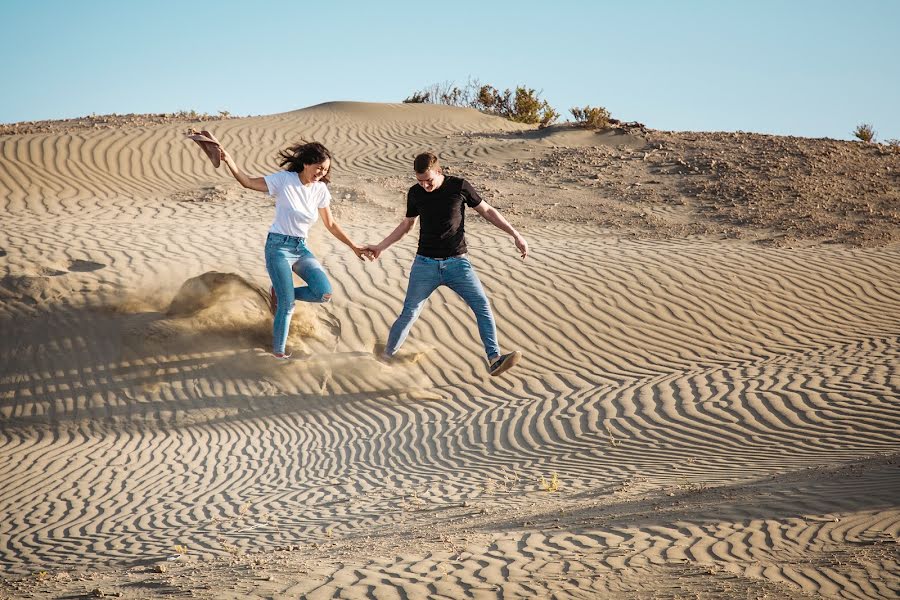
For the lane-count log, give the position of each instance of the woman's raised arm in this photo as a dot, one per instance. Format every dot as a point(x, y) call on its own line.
point(251, 183)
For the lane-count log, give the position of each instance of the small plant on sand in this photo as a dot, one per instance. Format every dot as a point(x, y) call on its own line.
point(493, 486)
point(180, 549)
point(418, 98)
point(865, 132)
point(893, 145)
point(551, 485)
point(229, 547)
point(612, 439)
point(594, 117)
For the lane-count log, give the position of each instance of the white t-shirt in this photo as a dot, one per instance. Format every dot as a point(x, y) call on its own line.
point(296, 205)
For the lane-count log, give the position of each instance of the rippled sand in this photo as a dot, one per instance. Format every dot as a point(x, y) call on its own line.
point(693, 416)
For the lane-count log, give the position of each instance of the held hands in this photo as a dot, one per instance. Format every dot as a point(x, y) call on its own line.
point(374, 251)
point(363, 252)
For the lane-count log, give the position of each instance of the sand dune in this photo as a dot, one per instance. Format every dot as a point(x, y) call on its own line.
point(693, 416)
point(50, 172)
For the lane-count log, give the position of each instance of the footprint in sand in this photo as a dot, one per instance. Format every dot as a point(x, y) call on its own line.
point(84, 266)
point(50, 272)
point(38, 286)
point(332, 323)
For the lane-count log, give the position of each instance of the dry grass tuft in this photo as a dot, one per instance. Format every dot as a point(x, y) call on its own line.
point(865, 132)
point(551, 485)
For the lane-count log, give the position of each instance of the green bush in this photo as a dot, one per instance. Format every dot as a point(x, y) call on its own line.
point(418, 98)
point(523, 106)
point(595, 117)
point(548, 115)
point(529, 108)
point(489, 99)
point(865, 132)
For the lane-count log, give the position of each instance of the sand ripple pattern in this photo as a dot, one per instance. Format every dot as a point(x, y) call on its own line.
point(53, 174)
point(655, 370)
point(718, 414)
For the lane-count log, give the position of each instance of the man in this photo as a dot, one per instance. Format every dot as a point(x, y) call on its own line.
point(441, 200)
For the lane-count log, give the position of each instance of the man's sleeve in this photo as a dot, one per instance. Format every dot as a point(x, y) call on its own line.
point(471, 196)
point(412, 208)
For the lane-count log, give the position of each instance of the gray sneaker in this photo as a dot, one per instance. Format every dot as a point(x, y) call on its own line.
point(504, 363)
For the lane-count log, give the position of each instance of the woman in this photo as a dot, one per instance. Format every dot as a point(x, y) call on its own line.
point(301, 197)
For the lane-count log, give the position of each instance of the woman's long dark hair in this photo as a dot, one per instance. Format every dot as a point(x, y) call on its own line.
point(311, 153)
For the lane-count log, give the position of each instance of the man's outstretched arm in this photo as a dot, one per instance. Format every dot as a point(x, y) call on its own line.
point(402, 229)
point(494, 217)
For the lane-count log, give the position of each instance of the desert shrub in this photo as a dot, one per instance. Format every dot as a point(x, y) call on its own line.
point(526, 108)
point(865, 132)
point(454, 97)
point(891, 146)
point(529, 108)
point(595, 117)
point(192, 115)
point(489, 99)
point(523, 106)
point(548, 115)
point(446, 93)
point(418, 98)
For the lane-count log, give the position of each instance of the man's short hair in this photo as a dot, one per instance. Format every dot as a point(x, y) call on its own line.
point(425, 162)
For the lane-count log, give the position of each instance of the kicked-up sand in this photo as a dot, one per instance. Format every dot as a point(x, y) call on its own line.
point(708, 405)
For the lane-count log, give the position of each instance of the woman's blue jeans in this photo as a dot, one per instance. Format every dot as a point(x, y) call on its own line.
point(284, 254)
point(456, 273)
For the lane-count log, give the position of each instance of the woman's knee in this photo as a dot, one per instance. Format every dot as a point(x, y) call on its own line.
point(320, 286)
point(322, 291)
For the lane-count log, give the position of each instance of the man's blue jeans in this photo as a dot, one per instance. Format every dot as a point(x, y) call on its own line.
point(456, 273)
point(285, 253)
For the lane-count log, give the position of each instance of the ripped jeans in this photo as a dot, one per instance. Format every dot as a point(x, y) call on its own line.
point(284, 254)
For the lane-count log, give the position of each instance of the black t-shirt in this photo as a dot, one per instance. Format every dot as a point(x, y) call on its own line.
point(442, 213)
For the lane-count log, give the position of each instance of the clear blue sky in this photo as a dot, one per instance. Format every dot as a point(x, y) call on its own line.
point(795, 67)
